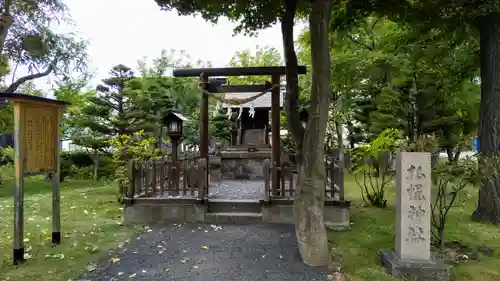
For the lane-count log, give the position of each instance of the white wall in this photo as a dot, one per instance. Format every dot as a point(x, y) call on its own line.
point(67, 145)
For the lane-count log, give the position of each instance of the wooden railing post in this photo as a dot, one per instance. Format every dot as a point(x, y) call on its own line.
point(339, 175)
point(154, 185)
point(130, 192)
point(201, 179)
point(282, 172)
point(332, 176)
point(267, 180)
point(274, 179)
point(175, 179)
point(143, 179)
point(162, 163)
point(205, 176)
point(195, 180)
point(149, 171)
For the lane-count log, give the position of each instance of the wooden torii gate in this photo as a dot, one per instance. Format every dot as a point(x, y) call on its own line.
point(275, 73)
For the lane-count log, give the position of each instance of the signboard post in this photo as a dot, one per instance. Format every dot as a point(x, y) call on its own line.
point(37, 150)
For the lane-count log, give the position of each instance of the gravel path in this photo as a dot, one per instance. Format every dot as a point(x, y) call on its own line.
point(199, 252)
point(237, 189)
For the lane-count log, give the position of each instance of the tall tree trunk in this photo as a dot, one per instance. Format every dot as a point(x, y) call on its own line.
point(351, 135)
point(457, 153)
point(340, 137)
point(95, 159)
point(292, 80)
point(449, 153)
point(309, 200)
point(488, 206)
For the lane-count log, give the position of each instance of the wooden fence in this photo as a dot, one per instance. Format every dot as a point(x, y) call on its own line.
point(163, 178)
point(334, 187)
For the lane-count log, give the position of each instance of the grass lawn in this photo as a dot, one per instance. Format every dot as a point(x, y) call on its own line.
point(91, 224)
point(374, 228)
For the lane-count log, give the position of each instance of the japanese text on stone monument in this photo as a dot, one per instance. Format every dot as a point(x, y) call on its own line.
point(415, 232)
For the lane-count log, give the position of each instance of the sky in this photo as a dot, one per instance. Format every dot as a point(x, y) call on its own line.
point(125, 31)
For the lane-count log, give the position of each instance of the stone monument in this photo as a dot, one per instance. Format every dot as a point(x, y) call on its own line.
point(411, 257)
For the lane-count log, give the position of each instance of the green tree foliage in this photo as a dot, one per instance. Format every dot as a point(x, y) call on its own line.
point(221, 127)
point(6, 118)
point(126, 104)
point(109, 113)
point(72, 90)
point(451, 180)
point(476, 18)
point(106, 115)
point(181, 94)
point(26, 39)
point(137, 146)
point(390, 75)
point(263, 56)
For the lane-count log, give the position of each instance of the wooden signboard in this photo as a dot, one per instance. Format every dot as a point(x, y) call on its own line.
point(41, 128)
point(37, 145)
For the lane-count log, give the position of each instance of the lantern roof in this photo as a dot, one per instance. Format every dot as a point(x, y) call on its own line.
point(180, 116)
point(173, 115)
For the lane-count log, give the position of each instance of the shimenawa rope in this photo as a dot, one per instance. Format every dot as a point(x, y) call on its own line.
point(234, 101)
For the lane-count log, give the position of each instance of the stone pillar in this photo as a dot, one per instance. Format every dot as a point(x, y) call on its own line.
point(412, 255)
point(413, 206)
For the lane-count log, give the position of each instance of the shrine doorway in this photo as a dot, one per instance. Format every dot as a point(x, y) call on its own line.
point(251, 137)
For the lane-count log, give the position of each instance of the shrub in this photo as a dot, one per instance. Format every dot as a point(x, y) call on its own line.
point(107, 167)
point(6, 155)
point(368, 158)
point(126, 148)
point(78, 158)
point(450, 180)
point(82, 173)
point(6, 173)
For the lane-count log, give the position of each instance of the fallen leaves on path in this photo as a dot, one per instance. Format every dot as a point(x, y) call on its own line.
point(91, 267)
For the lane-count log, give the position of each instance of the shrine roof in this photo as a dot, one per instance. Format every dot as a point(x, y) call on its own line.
point(261, 102)
point(24, 97)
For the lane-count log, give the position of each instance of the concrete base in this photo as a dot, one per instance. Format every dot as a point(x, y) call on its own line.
point(234, 218)
point(335, 217)
point(414, 270)
point(155, 213)
point(229, 211)
point(215, 169)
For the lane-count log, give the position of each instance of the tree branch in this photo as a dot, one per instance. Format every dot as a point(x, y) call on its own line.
point(292, 79)
point(5, 22)
point(359, 43)
point(14, 86)
point(14, 73)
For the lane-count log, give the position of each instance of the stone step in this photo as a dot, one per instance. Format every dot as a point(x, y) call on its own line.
point(232, 205)
point(234, 218)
